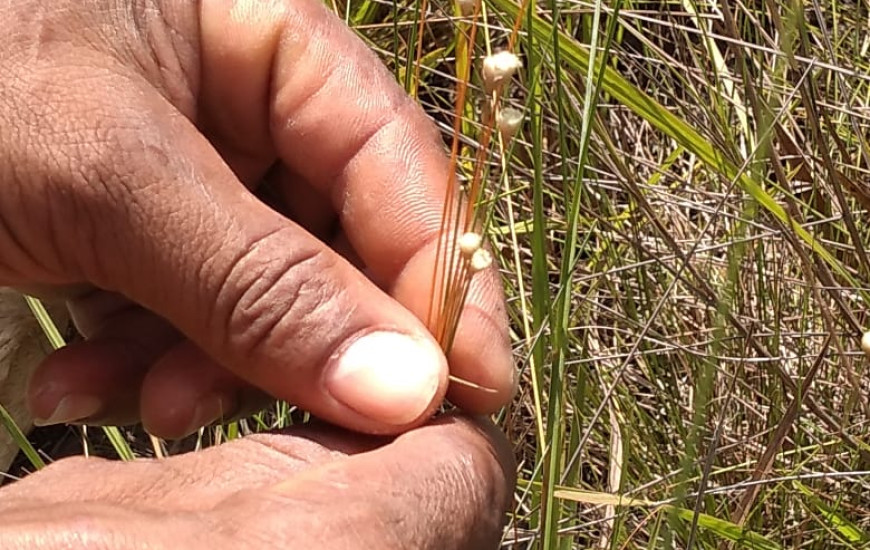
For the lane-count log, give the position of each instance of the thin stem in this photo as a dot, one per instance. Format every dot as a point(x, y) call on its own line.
point(443, 270)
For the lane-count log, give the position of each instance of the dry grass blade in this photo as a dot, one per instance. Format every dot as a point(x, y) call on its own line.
point(678, 217)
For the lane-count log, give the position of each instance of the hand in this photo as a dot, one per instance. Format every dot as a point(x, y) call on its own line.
point(133, 138)
point(442, 486)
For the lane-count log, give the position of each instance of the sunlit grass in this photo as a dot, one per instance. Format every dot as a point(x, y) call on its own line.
point(679, 226)
point(679, 231)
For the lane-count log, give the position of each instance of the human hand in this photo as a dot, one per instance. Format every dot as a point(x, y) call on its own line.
point(441, 486)
point(133, 136)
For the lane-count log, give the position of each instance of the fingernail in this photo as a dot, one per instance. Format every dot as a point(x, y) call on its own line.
point(210, 408)
point(387, 377)
point(71, 408)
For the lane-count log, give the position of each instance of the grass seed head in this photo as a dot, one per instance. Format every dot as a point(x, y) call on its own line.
point(498, 68)
point(480, 260)
point(469, 243)
point(509, 121)
point(467, 7)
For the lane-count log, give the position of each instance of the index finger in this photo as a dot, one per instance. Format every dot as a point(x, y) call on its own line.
point(288, 78)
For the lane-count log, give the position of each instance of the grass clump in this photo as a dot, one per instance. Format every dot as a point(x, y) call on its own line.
point(678, 225)
point(677, 214)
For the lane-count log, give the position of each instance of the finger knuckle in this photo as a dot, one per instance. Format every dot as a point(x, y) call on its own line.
point(277, 296)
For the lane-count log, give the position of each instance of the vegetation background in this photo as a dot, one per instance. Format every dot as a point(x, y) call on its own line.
point(679, 226)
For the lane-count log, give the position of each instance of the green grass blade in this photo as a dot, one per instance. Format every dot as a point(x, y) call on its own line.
point(723, 529)
point(119, 443)
point(577, 58)
point(45, 323)
point(850, 531)
point(540, 267)
point(20, 439)
point(365, 13)
point(726, 530)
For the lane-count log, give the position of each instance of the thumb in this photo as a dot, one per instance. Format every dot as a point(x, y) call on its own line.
point(257, 292)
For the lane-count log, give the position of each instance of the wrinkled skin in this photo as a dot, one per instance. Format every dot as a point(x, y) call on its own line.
point(236, 200)
point(440, 486)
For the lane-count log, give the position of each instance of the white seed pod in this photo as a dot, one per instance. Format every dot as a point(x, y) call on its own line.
point(509, 121)
point(467, 7)
point(469, 243)
point(480, 260)
point(498, 68)
point(865, 343)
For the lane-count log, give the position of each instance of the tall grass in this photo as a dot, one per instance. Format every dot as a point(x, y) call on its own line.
point(679, 226)
point(680, 237)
